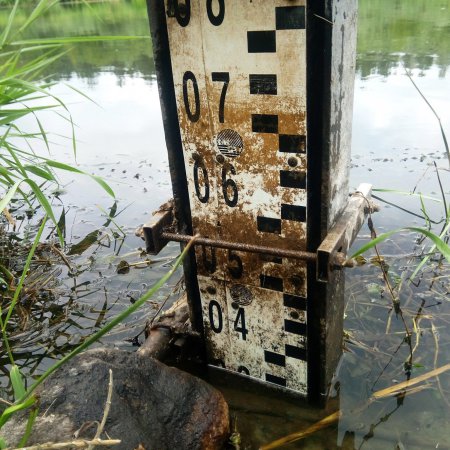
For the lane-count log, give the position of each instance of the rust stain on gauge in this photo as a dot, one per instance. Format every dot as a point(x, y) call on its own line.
point(240, 85)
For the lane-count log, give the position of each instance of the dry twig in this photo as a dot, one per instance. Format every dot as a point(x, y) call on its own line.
point(406, 387)
point(77, 443)
point(105, 412)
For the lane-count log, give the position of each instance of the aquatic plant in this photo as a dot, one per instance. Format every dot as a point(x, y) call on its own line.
point(24, 91)
point(24, 398)
point(25, 173)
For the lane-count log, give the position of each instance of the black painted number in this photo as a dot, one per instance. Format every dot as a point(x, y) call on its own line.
point(193, 111)
point(235, 268)
point(223, 77)
point(229, 187)
point(182, 12)
point(239, 324)
point(215, 20)
point(199, 167)
point(243, 369)
point(210, 264)
point(216, 327)
point(193, 114)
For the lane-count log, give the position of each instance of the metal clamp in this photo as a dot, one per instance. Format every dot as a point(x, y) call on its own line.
point(330, 255)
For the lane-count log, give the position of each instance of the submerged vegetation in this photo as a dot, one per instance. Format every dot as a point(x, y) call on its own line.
point(28, 182)
point(397, 310)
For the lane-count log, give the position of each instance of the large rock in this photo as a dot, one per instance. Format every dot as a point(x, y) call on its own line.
point(153, 405)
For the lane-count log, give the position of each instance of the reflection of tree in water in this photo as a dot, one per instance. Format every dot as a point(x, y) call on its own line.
point(88, 60)
point(396, 33)
point(391, 33)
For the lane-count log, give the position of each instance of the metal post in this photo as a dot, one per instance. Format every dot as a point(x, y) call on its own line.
point(257, 104)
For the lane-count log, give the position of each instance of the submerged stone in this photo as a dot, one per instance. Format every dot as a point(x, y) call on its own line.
point(152, 405)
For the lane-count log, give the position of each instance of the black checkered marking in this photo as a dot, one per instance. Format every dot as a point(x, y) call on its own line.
point(290, 17)
point(274, 358)
point(294, 301)
point(263, 84)
point(286, 18)
point(276, 380)
point(272, 283)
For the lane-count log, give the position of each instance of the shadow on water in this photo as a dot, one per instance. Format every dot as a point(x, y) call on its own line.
point(394, 146)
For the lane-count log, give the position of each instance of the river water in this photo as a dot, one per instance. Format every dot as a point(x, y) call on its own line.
point(396, 144)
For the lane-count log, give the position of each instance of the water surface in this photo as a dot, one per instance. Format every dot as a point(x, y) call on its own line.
point(396, 144)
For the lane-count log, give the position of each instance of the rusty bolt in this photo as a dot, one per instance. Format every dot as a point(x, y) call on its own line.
point(211, 290)
point(292, 161)
point(220, 159)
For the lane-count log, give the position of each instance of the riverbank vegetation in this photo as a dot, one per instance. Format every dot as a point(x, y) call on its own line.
point(406, 275)
point(29, 182)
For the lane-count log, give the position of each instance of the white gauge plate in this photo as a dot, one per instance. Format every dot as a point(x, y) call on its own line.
point(239, 70)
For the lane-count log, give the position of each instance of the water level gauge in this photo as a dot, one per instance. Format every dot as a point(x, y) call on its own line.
point(240, 101)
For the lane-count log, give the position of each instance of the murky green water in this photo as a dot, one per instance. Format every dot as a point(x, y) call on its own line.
point(396, 143)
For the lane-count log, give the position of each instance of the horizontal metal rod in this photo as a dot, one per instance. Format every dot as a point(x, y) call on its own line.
point(282, 253)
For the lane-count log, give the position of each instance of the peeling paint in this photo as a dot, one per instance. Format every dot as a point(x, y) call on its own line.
point(236, 189)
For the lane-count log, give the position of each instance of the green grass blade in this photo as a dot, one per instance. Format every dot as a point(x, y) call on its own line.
point(43, 133)
point(82, 94)
point(29, 427)
point(5, 34)
point(40, 172)
point(432, 249)
point(409, 194)
point(11, 410)
point(7, 175)
point(438, 242)
point(99, 180)
point(38, 11)
point(42, 199)
point(7, 273)
point(371, 244)
point(3, 444)
point(424, 212)
point(443, 248)
point(9, 195)
point(17, 382)
point(24, 273)
point(108, 327)
point(76, 40)
point(17, 161)
point(33, 48)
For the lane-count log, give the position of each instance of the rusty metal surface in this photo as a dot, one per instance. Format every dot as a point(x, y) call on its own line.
point(331, 36)
point(153, 229)
point(161, 55)
point(344, 15)
point(341, 236)
point(239, 72)
point(247, 248)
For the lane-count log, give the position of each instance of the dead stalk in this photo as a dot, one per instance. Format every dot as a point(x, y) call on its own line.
point(102, 424)
point(394, 297)
point(77, 443)
point(436, 353)
point(444, 137)
point(404, 388)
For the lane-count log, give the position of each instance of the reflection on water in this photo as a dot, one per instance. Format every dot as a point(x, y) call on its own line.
point(87, 60)
point(396, 143)
point(396, 33)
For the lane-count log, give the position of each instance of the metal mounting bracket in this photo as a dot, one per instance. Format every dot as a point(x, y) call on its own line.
point(331, 254)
